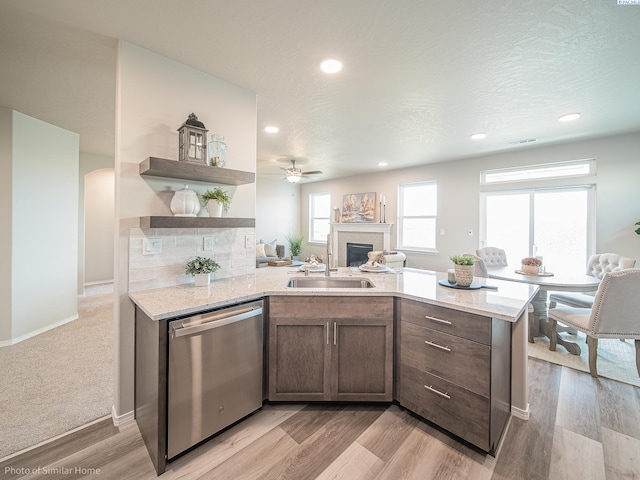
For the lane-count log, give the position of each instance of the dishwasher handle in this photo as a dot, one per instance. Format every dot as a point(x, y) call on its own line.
point(216, 322)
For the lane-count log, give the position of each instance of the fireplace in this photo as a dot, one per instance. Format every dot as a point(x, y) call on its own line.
point(376, 234)
point(357, 253)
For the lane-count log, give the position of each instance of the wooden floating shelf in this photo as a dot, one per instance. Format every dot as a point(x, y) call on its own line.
point(161, 167)
point(196, 222)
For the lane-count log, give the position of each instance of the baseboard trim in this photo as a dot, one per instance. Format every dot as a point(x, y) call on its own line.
point(13, 341)
point(519, 413)
point(119, 420)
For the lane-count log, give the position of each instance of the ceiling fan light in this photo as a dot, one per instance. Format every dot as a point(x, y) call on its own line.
point(294, 178)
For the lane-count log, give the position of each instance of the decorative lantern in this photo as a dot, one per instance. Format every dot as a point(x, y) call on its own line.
point(193, 141)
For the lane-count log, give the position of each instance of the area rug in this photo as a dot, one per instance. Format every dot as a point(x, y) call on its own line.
point(616, 359)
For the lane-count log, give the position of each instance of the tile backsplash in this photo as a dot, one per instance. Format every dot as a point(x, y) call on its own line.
point(157, 256)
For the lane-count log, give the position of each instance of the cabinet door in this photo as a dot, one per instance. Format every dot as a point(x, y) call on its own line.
point(299, 359)
point(362, 360)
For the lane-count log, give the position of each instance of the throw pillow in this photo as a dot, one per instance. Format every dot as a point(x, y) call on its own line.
point(260, 250)
point(270, 249)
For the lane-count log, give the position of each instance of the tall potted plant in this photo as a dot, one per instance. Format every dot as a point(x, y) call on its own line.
point(295, 245)
point(216, 201)
point(463, 265)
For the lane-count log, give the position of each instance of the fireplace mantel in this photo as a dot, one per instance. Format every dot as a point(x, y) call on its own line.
point(378, 234)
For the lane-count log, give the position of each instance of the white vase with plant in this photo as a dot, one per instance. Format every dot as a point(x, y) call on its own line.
point(201, 268)
point(464, 266)
point(530, 265)
point(217, 201)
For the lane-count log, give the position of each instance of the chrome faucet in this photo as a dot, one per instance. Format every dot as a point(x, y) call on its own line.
point(327, 268)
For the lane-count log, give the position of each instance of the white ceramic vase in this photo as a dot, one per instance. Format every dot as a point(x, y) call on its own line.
point(464, 274)
point(202, 279)
point(185, 203)
point(215, 208)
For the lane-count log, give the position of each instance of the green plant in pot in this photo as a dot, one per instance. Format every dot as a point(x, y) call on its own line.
point(464, 266)
point(638, 228)
point(217, 201)
point(295, 245)
point(201, 268)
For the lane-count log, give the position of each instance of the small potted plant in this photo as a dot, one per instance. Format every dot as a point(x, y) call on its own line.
point(216, 201)
point(295, 245)
point(531, 265)
point(637, 228)
point(463, 265)
point(201, 268)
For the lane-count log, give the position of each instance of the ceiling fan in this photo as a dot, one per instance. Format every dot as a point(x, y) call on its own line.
point(294, 175)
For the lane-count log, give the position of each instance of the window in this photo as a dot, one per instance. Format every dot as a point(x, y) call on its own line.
point(319, 216)
point(555, 223)
point(538, 172)
point(417, 213)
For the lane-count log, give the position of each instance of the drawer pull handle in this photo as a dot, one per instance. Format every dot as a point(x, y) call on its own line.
point(439, 320)
point(431, 389)
point(441, 347)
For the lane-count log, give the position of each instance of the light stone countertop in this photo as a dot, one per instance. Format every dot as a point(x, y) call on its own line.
point(507, 303)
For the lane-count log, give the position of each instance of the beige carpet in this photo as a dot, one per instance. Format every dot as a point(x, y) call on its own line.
point(616, 359)
point(58, 380)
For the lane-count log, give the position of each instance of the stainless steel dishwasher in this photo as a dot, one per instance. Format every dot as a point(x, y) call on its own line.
point(215, 373)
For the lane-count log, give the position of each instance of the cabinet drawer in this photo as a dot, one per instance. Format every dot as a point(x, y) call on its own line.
point(462, 324)
point(460, 361)
point(331, 307)
point(461, 412)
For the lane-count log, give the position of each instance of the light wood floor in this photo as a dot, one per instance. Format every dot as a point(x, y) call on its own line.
point(579, 428)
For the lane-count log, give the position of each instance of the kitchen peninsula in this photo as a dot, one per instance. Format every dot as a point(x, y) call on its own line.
point(455, 357)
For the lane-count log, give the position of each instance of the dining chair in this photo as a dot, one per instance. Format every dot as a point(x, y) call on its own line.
point(614, 314)
point(597, 266)
point(480, 268)
point(492, 256)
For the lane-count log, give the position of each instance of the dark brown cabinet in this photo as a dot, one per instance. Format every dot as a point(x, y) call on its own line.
point(330, 348)
point(455, 370)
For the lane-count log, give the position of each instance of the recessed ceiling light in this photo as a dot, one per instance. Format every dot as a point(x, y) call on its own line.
point(331, 65)
point(271, 129)
point(382, 164)
point(569, 117)
point(478, 136)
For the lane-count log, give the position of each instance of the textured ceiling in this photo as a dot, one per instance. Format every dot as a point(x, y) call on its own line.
point(419, 76)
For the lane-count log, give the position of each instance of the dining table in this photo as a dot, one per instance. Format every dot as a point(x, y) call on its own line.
point(561, 281)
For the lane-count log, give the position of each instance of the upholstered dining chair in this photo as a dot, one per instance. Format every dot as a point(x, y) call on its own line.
point(597, 266)
point(614, 314)
point(492, 256)
point(480, 268)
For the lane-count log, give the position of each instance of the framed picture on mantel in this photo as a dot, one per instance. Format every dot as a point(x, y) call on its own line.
point(359, 208)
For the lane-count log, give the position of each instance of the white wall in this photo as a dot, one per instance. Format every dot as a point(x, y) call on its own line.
point(617, 194)
point(44, 225)
point(277, 210)
point(154, 96)
point(90, 163)
point(98, 226)
point(6, 175)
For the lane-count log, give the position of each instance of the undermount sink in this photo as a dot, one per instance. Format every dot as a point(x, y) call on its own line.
point(328, 282)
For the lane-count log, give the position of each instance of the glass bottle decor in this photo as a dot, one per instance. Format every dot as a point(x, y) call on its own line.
point(217, 151)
